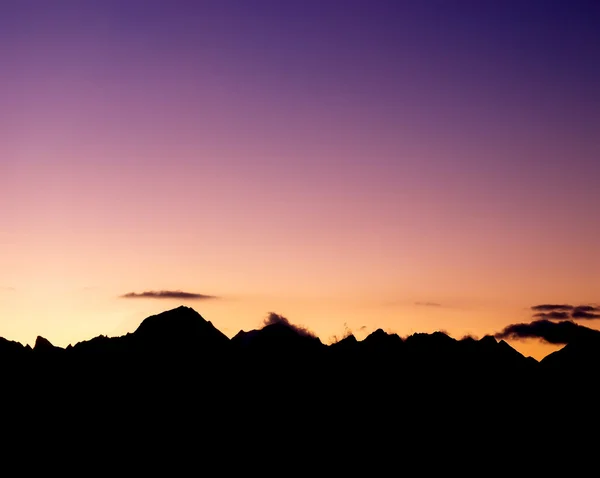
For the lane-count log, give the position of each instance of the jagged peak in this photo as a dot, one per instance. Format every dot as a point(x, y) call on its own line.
point(380, 335)
point(349, 339)
point(488, 339)
point(42, 343)
point(376, 335)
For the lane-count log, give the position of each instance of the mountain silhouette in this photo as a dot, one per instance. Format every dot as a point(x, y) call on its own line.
point(277, 338)
point(574, 368)
point(181, 327)
point(183, 335)
point(178, 376)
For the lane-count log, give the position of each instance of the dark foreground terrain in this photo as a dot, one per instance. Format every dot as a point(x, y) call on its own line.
point(177, 385)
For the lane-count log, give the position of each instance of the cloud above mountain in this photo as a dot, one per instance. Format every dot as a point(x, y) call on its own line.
point(167, 294)
point(558, 333)
point(550, 307)
point(566, 312)
point(274, 318)
point(553, 315)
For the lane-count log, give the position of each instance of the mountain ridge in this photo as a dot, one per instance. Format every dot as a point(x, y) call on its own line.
point(189, 322)
point(183, 327)
point(184, 334)
point(283, 381)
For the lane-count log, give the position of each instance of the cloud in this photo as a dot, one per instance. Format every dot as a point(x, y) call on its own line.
point(566, 312)
point(553, 315)
point(428, 304)
point(585, 313)
point(363, 327)
point(274, 318)
point(167, 294)
point(549, 307)
point(587, 308)
point(548, 331)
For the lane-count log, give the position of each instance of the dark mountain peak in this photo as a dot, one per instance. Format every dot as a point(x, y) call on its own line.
point(377, 333)
point(282, 329)
point(349, 339)
point(424, 339)
point(439, 335)
point(244, 337)
point(380, 342)
point(505, 345)
point(348, 343)
point(488, 340)
point(180, 317)
point(8, 347)
point(467, 339)
point(43, 345)
point(581, 355)
point(380, 336)
point(96, 344)
point(277, 337)
point(182, 325)
point(510, 354)
point(490, 354)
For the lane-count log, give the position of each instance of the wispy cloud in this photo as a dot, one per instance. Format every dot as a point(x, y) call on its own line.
point(274, 318)
point(553, 315)
point(167, 294)
point(588, 312)
point(428, 304)
point(566, 312)
point(550, 307)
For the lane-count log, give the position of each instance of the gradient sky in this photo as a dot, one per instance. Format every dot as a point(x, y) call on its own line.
point(409, 165)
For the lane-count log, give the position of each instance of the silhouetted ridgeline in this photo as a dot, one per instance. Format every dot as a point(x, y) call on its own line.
point(180, 344)
point(178, 376)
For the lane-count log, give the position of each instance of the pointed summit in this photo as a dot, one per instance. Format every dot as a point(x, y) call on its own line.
point(347, 344)
point(488, 340)
point(43, 345)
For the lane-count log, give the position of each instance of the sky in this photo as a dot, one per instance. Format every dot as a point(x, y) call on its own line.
point(352, 165)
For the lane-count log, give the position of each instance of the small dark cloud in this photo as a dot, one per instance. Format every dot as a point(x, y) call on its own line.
point(274, 318)
point(167, 294)
point(553, 315)
point(585, 313)
point(559, 333)
point(566, 312)
point(363, 327)
point(550, 307)
point(428, 304)
point(587, 308)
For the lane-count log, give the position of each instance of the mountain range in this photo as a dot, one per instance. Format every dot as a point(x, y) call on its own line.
point(180, 340)
point(179, 386)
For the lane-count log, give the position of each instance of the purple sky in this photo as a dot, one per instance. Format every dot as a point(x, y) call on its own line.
point(435, 150)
